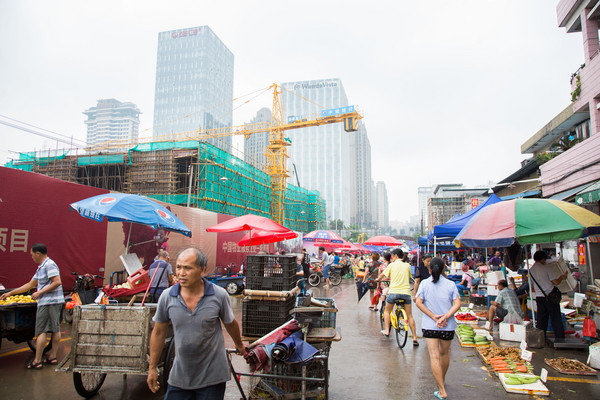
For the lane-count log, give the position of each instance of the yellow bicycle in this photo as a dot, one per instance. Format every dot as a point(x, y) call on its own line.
point(398, 320)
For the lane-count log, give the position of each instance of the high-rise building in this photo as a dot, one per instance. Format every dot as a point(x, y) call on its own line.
point(114, 122)
point(321, 154)
point(360, 178)
point(194, 84)
point(424, 193)
point(256, 144)
point(382, 206)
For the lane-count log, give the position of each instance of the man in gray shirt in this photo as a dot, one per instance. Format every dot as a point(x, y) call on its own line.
point(195, 307)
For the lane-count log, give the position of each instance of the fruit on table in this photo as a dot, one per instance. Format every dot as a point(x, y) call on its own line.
point(17, 299)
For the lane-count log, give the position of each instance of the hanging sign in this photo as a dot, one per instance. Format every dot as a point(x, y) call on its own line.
point(581, 252)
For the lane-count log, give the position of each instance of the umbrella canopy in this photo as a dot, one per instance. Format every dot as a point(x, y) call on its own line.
point(257, 237)
point(323, 236)
point(527, 221)
point(450, 229)
point(120, 207)
point(248, 222)
point(383, 241)
point(361, 289)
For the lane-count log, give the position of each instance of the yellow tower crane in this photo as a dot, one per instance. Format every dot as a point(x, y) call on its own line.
point(276, 152)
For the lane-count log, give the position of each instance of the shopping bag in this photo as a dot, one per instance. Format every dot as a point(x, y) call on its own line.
point(589, 327)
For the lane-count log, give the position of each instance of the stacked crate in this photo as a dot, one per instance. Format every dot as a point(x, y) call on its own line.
point(268, 272)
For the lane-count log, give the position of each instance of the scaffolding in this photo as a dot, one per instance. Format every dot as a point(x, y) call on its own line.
point(191, 172)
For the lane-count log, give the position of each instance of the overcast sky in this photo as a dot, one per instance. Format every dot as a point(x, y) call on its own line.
point(449, 89)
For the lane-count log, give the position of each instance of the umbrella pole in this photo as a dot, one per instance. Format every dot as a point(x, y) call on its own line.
point(589, 258)
point(530, 299)
point(434, 246)
point(128, 237)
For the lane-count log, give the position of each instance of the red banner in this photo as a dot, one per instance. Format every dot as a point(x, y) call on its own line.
point(35, 208)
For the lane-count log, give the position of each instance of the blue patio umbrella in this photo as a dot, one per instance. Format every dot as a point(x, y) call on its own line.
point(133, 208)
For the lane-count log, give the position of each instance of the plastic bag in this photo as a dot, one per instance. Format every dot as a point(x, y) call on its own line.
point(589, 328)
point(513, 318)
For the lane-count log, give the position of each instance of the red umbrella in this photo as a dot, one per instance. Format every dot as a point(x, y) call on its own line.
point(248, 222)
point(256, 237)
point(383, 241)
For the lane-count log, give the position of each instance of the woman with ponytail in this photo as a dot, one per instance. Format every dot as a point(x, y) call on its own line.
point(439, 300)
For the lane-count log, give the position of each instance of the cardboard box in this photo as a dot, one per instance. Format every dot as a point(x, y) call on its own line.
point(558, 267)
point(513, 332)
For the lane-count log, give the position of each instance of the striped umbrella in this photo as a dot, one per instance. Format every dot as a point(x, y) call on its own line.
point(323, 236)
point(527, 221)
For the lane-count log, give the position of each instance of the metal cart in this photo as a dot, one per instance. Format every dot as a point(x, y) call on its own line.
point(17, 324)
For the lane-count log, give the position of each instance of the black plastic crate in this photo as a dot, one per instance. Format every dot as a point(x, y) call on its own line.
point(267, 272)
point(327, 320)
point(260, 317)
point(316, 368)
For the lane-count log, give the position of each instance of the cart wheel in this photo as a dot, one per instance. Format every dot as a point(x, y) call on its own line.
point(68, 316)
point(232, 288)
point(335, 278)
point(168, 363)
point(87, 384)
point(314, 279)
point(31, 344)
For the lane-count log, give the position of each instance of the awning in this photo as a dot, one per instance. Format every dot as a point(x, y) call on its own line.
point(531, 193)
point(590, 194)
point(568, 193)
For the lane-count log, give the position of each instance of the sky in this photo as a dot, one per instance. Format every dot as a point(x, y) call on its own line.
point(449, 89)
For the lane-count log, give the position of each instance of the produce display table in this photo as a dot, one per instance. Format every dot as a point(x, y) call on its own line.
point(17, 322)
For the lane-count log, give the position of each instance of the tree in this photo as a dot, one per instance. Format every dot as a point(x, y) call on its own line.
point(336, 225)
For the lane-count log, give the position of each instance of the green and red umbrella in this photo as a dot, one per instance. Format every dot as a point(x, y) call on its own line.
point(527, 221)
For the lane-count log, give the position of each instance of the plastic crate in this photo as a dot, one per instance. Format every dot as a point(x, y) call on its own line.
point(260, 317)
point(328, 318)
point(267, 272)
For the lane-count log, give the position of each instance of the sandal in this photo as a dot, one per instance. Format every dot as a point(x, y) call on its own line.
point(437, 395)
point(415, 343)
point(33, 365)
point(383, 333)
point(51, 361)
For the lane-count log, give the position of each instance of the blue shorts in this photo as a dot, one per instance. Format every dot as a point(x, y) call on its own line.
point(326, 271)
point(392, 297)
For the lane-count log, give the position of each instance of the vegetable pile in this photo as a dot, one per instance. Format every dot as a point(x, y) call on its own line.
point(516, 379)
point(18, 299)
point(465, 317)
point(467, 336)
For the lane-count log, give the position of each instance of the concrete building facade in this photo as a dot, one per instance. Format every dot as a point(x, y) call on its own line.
point(114, 122)
point(194, 84)
point(256, 144)
point(382, 207)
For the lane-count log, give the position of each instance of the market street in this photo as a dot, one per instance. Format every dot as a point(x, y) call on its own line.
point(364, 365)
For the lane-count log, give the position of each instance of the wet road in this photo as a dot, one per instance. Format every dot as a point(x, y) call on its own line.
point(364, 365)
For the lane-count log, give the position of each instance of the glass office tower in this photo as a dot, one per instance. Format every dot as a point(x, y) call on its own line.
point(194, 84)
point(321, 154)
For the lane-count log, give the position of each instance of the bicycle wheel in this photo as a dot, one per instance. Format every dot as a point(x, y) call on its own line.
point(314, 279)
point(335, 278)
point(402, 328)
point(87, 384)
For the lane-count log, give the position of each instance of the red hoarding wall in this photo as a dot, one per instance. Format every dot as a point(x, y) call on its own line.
point(35, 208)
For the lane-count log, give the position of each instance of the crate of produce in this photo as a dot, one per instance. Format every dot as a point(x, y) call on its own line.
point(260, 317)
point(268, 272)
point(327, 319)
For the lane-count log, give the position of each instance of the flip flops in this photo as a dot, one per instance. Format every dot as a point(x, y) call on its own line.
point(437, 395)
point(383, 333)
point(415, 343)
point(33, 365)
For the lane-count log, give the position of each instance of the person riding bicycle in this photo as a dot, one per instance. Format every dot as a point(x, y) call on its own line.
point(399, 274)
point(326, 261)
point(382, 287)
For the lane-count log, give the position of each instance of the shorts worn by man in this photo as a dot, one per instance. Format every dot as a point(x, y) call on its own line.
point(195, 307)
point(50, 300)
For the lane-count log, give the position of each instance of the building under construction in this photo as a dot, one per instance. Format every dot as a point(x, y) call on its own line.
point(192, 173)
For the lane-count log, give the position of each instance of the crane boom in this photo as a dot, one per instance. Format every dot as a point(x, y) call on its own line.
point(276, 151)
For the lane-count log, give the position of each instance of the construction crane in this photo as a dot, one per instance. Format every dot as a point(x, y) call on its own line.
point(276, 152)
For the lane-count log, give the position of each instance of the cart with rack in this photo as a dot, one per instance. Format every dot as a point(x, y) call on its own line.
point(112, 339)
